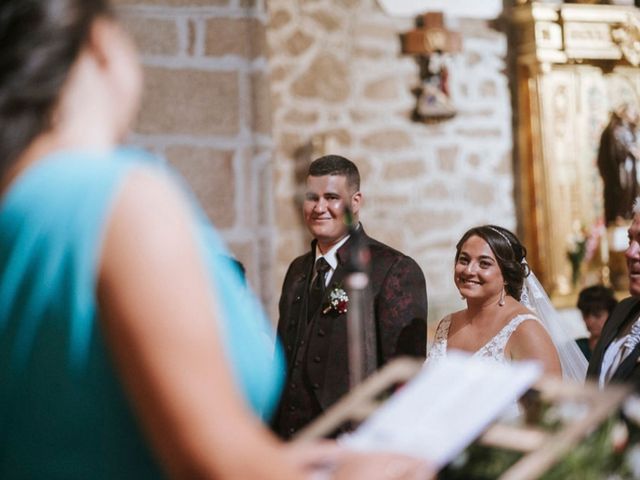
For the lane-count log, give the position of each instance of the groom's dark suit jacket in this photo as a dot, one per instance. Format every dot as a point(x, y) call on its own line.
point(621, 317)
point(317, 351)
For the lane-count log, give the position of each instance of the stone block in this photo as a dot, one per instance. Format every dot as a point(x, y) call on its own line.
point(479, 132)
point(291, 143)
point(365, 168)
point(260, 103)
point(299, 117)
point(505, 163)
point(349, 3)
point(279, 19)
point(376, 31)
point(478, 192)
point(388, 140)
point(474, 160)
point(488, 88)
point(326, 20)
point(435, 190)
point(370, 53)
point(327, 78)
point(278, 74)
point(191, 37)
point(447, 158)
point(298, 42)
point(153, 36)
point(384, 89)
point(431, 218)
point(472, 58)
point(264, 199)
point(211, 175)
point(234, 36)
point(404, 169)
point(187, 101)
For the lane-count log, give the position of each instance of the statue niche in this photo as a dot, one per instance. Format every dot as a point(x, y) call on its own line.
point(617, 162)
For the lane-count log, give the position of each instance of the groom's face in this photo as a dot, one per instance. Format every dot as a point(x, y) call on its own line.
point(324, 208)
point(633, 256)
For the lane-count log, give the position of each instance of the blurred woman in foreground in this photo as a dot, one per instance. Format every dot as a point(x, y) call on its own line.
point(126, 350)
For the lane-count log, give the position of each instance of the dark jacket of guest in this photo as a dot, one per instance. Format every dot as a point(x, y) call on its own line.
point(317, 350)
point(625, 313)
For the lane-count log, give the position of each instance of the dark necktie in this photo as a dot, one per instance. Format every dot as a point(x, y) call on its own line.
point(316, 291)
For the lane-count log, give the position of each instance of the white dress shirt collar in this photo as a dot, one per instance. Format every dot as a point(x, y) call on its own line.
point(615, 354)
point(332, 255)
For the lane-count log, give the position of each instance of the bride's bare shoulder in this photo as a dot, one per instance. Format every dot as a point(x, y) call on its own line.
point(456, 315)
point(455, 318)
point(515, 308)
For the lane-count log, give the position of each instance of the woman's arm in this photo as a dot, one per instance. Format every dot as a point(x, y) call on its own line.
point(159, 316)
point(530, 341)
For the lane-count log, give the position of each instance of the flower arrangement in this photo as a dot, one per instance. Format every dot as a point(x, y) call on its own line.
point(611, 451)
point(338, 301)
point(576, 251)
point(583, 246)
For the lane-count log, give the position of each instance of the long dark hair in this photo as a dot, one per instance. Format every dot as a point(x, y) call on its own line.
point(509, 253)
point(39, 43)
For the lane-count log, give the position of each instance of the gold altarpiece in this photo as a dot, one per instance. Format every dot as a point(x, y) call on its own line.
point(574, 64)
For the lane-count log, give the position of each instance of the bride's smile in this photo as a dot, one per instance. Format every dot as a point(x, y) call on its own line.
point(477, 273)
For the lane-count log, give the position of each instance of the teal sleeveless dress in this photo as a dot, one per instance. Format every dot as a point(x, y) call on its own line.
point(63, 412)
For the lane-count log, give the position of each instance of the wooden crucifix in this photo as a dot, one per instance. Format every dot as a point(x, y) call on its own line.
point(429, 42)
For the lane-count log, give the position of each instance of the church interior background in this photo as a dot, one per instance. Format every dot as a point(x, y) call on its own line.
point(241, 94)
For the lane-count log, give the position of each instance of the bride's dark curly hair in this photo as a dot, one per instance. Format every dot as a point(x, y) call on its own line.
point(39, 43)
point(509, 253)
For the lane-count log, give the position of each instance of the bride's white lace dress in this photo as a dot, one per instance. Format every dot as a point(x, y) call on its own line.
point(493, 349)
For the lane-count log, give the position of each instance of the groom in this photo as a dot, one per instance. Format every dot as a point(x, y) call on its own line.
point(617, 354)
point(313, 332)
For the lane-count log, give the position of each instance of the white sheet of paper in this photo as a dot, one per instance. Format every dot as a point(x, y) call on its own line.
point(444, 408)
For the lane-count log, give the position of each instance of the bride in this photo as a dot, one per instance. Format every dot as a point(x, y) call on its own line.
point(508, 315)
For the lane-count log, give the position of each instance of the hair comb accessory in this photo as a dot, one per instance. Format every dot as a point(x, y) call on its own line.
point(502, 235)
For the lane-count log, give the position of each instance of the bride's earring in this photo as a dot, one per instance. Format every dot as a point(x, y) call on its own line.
point(501, 301)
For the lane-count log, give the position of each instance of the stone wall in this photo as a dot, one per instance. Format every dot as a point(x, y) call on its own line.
point(206, 110)
point(341, 85)
point(242, 125)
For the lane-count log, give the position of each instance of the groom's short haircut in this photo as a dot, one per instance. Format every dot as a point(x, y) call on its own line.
point(336, 165)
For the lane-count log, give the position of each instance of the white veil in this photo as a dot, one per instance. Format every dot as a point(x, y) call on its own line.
point(574, 364)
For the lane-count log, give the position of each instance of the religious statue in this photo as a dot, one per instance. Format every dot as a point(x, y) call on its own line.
point(430, 43)
point(617, 162)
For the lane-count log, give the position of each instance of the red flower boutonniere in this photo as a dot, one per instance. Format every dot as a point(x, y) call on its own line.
point(338, 301)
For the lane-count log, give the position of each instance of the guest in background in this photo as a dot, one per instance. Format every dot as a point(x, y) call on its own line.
point(314, 336)
point(126, 350)
point(595, 304)
point(615, 357)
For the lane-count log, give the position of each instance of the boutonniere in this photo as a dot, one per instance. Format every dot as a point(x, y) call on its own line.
point(338, 301)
